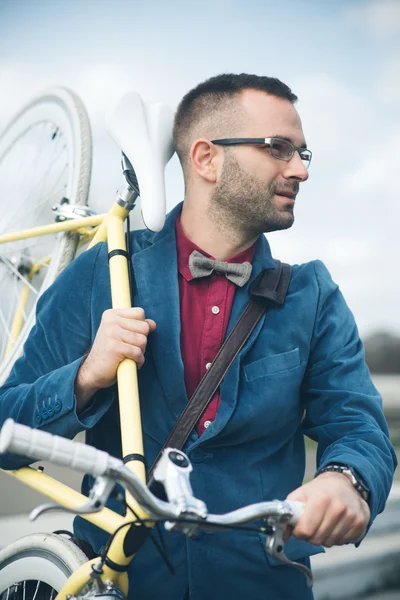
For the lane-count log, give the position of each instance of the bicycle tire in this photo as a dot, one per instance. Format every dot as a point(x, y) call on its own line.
point(47, 558)
point(63, 113)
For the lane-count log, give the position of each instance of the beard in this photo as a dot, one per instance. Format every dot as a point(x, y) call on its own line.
point(245, 204)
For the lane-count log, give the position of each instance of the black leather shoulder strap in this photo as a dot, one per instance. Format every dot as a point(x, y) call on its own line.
point(272, 284)
point(268, 289)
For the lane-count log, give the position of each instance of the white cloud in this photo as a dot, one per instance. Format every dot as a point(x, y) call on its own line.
point(348, 251)
point(380, 21)
point(388, 85)
point(381, 18)
point(334, 114)
point(16, 90)
point(374, 181)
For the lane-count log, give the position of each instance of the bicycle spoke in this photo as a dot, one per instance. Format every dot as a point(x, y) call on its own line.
point(34, 188)
point(16, 248)
point(5, 322)
point(40, 146)
point(36, 591)
point(8, 331)
point(18, 274)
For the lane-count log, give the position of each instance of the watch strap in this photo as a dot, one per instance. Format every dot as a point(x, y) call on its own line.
point(353, 477)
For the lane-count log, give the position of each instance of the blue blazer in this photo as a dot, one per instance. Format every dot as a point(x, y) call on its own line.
point(304, 358)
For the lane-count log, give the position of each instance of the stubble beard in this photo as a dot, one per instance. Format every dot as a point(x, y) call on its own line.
point(244, 205)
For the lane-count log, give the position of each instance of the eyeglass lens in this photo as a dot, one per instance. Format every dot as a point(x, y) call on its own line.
point(284, 150)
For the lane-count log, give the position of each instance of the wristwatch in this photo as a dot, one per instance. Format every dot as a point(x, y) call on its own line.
point(355, 479)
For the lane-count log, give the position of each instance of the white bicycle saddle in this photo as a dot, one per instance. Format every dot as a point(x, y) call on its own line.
point(143, 131)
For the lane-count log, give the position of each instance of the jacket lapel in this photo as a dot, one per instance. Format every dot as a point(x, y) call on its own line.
point(155, 269)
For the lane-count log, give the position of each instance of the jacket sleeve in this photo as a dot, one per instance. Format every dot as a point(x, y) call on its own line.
point(39, 391)
point(343, 408)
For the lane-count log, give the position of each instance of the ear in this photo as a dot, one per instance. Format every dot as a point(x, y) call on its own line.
point(204, 159)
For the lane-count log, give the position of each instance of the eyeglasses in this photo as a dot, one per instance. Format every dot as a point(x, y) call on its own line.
point(278, 147)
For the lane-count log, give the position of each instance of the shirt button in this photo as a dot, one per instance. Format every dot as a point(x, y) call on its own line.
point(215, 310)
point(207, 424)
point(208, 365)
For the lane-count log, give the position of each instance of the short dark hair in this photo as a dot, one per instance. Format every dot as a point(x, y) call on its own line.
point(210, 99)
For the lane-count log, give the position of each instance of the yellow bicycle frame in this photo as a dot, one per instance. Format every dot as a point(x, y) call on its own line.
point(110, 229)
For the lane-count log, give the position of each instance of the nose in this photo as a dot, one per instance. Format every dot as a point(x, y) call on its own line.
point(295, 169)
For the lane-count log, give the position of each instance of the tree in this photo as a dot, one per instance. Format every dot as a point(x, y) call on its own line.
point(382, 353)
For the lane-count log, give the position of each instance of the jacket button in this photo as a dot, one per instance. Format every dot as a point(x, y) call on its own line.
point(197, 456)
point(50, 410)
point(57, 405)
point(38, 417)
point(197, 536)
point(45, 414)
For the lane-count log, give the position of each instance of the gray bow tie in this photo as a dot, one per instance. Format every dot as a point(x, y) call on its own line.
point(201, 266)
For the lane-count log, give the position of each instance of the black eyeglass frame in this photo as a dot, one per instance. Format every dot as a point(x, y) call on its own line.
point(265, 142)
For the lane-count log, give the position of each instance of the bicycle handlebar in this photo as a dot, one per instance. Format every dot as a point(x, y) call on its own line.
point(41, 445)
point(183, 510)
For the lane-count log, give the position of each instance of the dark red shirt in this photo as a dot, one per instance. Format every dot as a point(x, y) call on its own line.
point(206, 304)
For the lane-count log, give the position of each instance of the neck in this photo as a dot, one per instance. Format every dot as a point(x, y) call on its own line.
point(212, 237)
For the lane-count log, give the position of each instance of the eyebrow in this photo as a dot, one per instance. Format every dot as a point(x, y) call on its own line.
point(282, 137)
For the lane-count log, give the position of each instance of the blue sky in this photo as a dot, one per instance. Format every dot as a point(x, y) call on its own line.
point(342, 58)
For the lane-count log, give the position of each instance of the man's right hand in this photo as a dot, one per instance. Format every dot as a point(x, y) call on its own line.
point(122, 334)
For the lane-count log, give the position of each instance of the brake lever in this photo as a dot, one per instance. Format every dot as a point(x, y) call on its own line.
point(98, 496)
point(275, 545)
point(173, 472)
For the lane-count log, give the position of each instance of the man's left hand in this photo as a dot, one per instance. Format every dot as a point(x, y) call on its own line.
point(334, 514)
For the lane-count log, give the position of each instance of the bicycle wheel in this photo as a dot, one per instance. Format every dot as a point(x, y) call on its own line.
point(37, 566)
point(45, 159)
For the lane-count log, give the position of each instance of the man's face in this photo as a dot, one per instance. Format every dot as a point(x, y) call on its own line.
point(248, 194)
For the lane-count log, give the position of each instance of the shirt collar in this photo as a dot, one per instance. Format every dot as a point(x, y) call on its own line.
point(185, 247)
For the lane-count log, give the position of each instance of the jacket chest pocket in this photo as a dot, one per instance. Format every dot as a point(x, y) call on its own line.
point(270, 365)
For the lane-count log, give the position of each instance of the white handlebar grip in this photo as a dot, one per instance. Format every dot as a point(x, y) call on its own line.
point(41, 445)
point(297, 509)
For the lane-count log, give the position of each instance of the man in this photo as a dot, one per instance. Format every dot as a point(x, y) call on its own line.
point(242, 148)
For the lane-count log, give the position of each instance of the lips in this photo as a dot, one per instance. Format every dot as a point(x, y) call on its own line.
point(289, 195)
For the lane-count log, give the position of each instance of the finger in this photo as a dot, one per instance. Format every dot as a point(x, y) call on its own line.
point(338, 536)
point(134, 325)
point(335, 516)
point(343, 527)
point(133, 339)
point(132, 352)
point(152, 324)
point(135, 312)
point(309, 523)
point(357, 530)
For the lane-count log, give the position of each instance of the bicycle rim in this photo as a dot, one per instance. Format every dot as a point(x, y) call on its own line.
point(45, 157)
point(37, 566)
